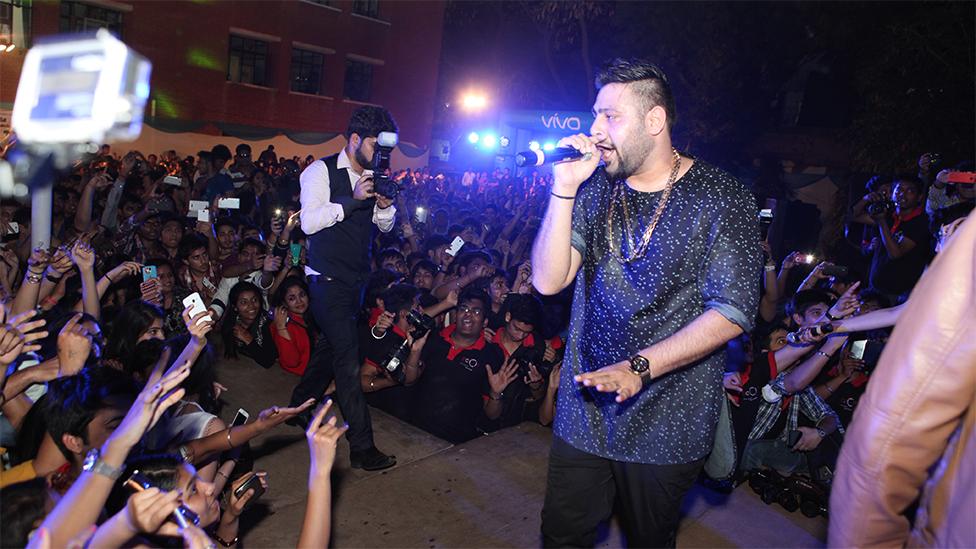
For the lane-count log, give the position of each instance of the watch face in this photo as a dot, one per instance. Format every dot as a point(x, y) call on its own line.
point(639, 364)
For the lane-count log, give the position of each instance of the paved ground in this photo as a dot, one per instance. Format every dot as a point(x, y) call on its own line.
point(485, 493)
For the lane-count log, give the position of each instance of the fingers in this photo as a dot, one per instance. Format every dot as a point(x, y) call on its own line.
point(319, 416)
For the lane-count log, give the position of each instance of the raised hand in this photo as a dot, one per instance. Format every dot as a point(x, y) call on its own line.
point(281, 318)
point(236, 505)
point(847, 303)
point(199, 325)
point(275, 415)
point(83, 255)
point(124, 269)
point(505, 375)
point(161, 392)
point(384, 322)
point(146, 511)
point(151, 292)
point(61, 262)
point(533, 377)
point(74, 347)
point(322, 439)
point(271, 264)
point(18, 336)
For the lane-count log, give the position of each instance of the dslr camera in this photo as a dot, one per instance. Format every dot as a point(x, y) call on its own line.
point(880, 207)
point(421, 324)
point(383, 184)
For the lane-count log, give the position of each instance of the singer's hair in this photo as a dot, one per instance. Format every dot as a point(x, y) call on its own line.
point(369, 121)
point(648, 82)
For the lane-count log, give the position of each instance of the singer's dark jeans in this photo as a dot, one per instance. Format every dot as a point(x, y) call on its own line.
point(335, 306)
point(582, 488)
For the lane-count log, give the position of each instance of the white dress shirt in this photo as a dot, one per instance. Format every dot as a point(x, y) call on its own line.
point(319, 212)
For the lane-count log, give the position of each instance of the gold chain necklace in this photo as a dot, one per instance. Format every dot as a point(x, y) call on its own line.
point(638, 251)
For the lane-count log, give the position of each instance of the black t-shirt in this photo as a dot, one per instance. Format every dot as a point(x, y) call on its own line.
point(898, 276)
point(450, 393)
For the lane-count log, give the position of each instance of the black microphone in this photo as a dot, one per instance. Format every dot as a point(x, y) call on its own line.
point(539, 157)
point(819, 330)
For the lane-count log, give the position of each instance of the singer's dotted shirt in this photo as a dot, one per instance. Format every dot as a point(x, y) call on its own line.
point(704, 254)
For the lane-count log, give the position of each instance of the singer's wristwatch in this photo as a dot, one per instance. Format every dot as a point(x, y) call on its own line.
point(640, 366)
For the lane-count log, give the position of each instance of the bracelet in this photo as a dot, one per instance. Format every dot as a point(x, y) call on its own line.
point(823, 354)
point(770, 268)
point(230, 445)
point(230, 543)
point(500, 396)
point(219, 472)
point(54, 279)
point(33, 278)
point(832, 317)
point(110, 281)
point(561, 196)
point(373, 333)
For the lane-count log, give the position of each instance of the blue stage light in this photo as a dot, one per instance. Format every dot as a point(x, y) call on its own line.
point(533, 145)
point(549, 146)
point(489, 141)
point(504, 141)
point(473, 137)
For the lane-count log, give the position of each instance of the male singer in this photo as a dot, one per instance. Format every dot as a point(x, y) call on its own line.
point(339, 209)
point(664, 250)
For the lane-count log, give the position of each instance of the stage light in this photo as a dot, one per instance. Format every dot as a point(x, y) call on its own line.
point(473, 137)
point(474, 101)
point(489, 141)
point(549, 146)
point(504, 141)
point(533, 145)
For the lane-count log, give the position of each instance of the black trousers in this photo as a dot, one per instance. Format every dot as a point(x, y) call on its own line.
point(335, 306)
point(582, 488)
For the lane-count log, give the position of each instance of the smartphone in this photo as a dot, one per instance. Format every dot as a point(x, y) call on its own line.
point(13, 231)
point(254, 482)
point(204, 215)
point(182, 515)
point(197, 205)
point(195, 303)
point(229, 203)
point(296, 253)
point(421, 214)
point(872, 353)
point(456, 245)
point(808, 258)
point(173, 180)
point(149, 273)
point(241, 418)
point(857, 349)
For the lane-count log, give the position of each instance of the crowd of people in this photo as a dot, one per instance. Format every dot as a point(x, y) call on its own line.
point(160, 266)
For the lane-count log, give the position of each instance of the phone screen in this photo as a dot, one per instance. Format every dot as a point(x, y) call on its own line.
point(149, 273)
point(857, 349)
point(240, 418)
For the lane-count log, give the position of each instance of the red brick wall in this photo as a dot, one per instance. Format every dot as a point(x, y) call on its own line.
point(169, 33)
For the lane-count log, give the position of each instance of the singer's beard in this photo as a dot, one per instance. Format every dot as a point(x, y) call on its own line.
point(627, 159)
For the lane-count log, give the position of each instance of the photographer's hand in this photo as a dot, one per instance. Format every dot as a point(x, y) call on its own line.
point(364, 188)
point(383, 202)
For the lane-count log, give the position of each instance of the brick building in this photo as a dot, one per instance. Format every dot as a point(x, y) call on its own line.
point(250, 69)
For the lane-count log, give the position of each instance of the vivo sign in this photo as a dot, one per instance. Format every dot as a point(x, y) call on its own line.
point(554, 121)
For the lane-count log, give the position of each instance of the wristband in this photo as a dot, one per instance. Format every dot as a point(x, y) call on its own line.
point(770, 268)
point(832, 317)
point(372, 332)
point(561, 196)
point(823, 354)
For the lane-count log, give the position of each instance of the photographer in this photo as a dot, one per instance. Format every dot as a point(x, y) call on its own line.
point(339, 212)
point(379, 343)
point(905, 248)
point(454, 372)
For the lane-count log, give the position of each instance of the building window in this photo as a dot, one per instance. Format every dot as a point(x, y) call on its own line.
point(248, 61)
point(369, 8)
point(359, 80)
point(306, 71)
point(78, 17)
point(15, 24)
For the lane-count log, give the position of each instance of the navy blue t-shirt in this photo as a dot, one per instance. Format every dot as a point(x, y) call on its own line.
point(704, 254)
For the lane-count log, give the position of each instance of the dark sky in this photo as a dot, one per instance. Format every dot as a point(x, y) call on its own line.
point(875, 73)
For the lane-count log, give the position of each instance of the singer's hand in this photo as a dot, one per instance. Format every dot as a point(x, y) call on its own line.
point(568, 176)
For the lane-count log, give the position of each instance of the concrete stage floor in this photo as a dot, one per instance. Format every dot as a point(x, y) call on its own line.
point(484, 493)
